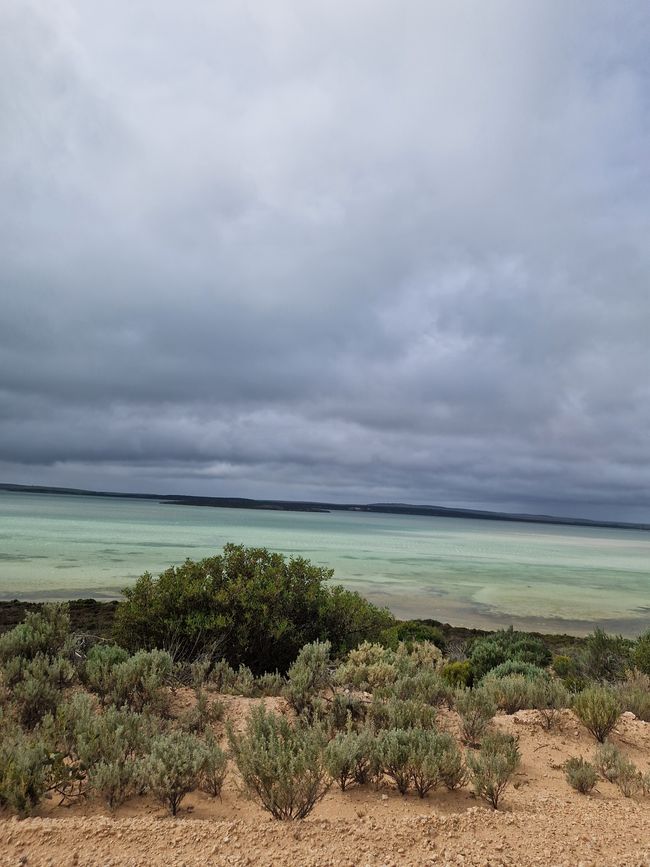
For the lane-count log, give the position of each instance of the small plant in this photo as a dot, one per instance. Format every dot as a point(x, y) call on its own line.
point(283, 766)
point(580, 775)
point(202, 714)
point(598, 709)
point(308, 675)
point(344, 755)
point(44, 633)
point(510, 693)
point(24, 764)
point(476, 709)
point(492, 768)
point(398, 714)
point(140, 681)
point(457, 675)
point(99, 670)
point(607, 760)
point(394, 747)
point(606, 657)
point(213, 772)
point(451, 767)
point(173, 767)
point(628, 778)
point(549, 697)
point(634, 694)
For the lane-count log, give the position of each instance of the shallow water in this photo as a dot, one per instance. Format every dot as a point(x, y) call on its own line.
point(471, 573)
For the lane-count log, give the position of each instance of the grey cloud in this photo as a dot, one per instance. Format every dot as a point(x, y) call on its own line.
point(319, 251)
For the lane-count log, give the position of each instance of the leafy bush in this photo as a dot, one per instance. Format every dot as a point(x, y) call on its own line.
point(99, 668)
point(24, 764)
point(476, 709)
point(394, 747)
point(549, 697)
point(371, 667)
point(492, 768)
point(43, 633)
point(344, 710)
point(308, 675)
point(458, 675)
point(283, 766)
point(510, 693)
point(598, 709)
point(516, 667)
point(607, 760)
point(641, 653)
point(580, 775)
point(628, 778)
point(347, 758)
point(257, 607)
point(214, 767)
point(426, 686)
point(451, 768)
point(506, 644)
point(606, 657)
point(202, 714)
point(401, 714)
point(139, 682)
point(173, 767)
point(634, 695)
point(413, 631)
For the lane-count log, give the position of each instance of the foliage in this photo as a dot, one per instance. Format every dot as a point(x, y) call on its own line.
point(510, 693)
point(282, 766)
point(401, 714)
point(394, 747)
point(173, 767)
point(641, 653)
point(37, 685)
point(139, 682)
point(606, 657)
point(517, 667)
point(607, 760)
point(99, 667)
point(580, 774)
point(634, 694)
point(202, 714)
point(42, 633)
point(214, 767)
point(24, 764)
point(426, 685)
point(347, 758)
point(256, 606)
point(549, 697)
point(506, 644)
point(414, 631)
point(308, 675)
point(371, 666)
point(598, 709)
point(628, 778)
point(458, 675)
point(493, 766)
point(476, 709)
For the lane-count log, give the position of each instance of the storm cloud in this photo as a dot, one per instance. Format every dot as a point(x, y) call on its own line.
point(326, 250)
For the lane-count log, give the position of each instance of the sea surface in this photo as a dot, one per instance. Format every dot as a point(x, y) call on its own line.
point(465, 572)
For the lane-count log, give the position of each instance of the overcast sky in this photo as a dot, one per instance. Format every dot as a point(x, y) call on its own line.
point(358, 251)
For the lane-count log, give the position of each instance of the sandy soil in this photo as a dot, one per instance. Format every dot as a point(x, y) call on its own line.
point(543, 821)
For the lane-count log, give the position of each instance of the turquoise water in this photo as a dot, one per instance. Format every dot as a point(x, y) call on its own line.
point(471, 573)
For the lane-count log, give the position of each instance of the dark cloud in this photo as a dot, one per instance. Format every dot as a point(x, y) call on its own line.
point(309, 250)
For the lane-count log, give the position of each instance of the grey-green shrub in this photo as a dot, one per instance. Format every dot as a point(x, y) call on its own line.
point(628, 778)
point(580, 774)
point(549, 697)
point(202, 714)
point(140, 681)
point(24, 765)
point(427, 686)
point(308, 675)
point(173, 767)
point(607, 760)
point(394, 747)
point(344, 708)
point(451, 767)
point(46, 632)
point(493, 766)
point(214, 767)
point(345, 754)
point(510, 693)
point(401, 714)
point(283, 766)
point(514, 667)
point(99, 668)
point(37, 684)
point(476, 709)
point(598, 709)
point(634, 694)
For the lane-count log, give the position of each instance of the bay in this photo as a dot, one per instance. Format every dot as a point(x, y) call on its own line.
point(466, 572)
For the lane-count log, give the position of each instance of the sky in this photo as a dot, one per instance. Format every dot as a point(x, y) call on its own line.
point(311, 249)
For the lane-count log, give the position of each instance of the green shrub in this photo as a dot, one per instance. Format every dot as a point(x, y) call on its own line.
point(414, 631)
point(476, 709)
point(628, 778)
point(256, 607)
point(308, 675)
point(99, 668)
point(213, 772)
point(24, 766)
point(493, 766)
point(580, 775)
point(173, 767)
point(42, 633)
point(347, 758)
point(598, 708)
point(641, 653)
point(606, 657)
point(515, 667)
point(343, 710)
point(451, 767)
point(270, 683)
point(458, 675)
point(399, 714)
point(140, 681)
point(549, 697)
point(634, 695)
point(283, 766)
point(394, 747)
point(373, 667)
point(510, 693)
point(426, 686)
point(564, 666)
point(607, 760)
point(506, 644)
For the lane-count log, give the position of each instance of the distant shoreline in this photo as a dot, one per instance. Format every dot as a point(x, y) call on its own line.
point(307, 506)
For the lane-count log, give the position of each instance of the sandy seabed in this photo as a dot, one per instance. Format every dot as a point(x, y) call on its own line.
point(542, 821)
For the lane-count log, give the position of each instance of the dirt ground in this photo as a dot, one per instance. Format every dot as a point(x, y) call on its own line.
point(542, 820)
